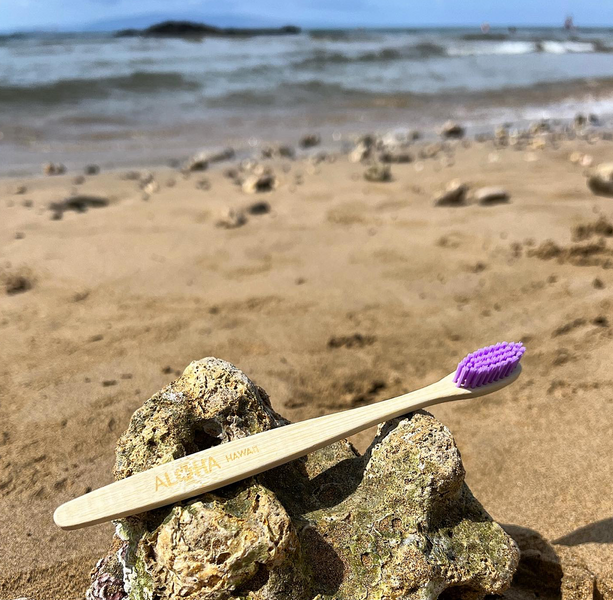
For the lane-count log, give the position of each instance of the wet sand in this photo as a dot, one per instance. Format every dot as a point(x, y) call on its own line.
point(344, 293)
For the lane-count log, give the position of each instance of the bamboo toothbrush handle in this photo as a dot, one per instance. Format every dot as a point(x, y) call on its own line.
point(236, 460)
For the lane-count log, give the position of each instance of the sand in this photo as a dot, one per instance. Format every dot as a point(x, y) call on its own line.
point(346, 292)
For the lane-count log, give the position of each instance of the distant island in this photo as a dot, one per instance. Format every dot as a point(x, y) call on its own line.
point(188, 29)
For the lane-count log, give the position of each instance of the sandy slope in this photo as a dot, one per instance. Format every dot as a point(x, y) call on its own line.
point(126, 295)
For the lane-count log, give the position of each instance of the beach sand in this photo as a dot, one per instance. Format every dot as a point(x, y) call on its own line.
point(346, 292)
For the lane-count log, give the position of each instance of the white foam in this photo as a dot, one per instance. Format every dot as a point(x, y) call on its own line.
point(564, 47)
point(489, 48)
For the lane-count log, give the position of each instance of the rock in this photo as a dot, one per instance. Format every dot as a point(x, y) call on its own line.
point(79, 180)
point(378, 173)
point(361, 152)
point(19, 190)
point(258, 208)
point(231, 219)
point(491, 195)
point(92, 170)
point(54, 169)
point(278, 151)
point(397, 522)
point(310, 140)
point(203, 184)
point(79, 203)
point(201, 161)
point(151, 187)
point(454, 194)
point(580, 120)
point(451, 129)
point(17, 281)
point(189, 29)
point(395, 155)
point(266, 182)
point(600, 180)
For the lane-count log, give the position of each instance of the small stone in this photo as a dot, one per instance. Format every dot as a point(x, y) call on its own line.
point(92, 170)
point(454, 194)
point(278, 151)
point(395, 155)
point(360, 153)
point(451, 129)
point(54, 169)
point(310, 140)
point(378, 173)
point(258, 208)
point(27, 203)
point(598, 283)
point(491, 195)
point(79, 180)
point(19, 190)
point(231, 219)
point(201, 161)
point(265, 182)
point(19, 235)
point(203, 184)
point(600, 180)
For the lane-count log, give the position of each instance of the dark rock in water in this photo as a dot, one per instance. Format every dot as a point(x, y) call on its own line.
point(54, 169)
point(92, 170)
point(397, 522)
point(310, 140)
point(79, 203)
point(201, 161)
point(189, 29)
point(452, 130)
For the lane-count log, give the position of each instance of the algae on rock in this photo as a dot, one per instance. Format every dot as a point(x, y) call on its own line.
point(398, 522)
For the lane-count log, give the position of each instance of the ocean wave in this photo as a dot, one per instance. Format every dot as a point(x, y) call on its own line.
point(74, 90)
point(426, 50)
point(419, 51)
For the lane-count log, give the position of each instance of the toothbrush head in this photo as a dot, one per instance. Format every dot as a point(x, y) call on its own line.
point(488, 365)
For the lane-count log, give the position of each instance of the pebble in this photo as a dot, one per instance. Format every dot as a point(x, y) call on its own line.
point(454, 194)
point(231, 219)
point(378, 173)
point(54, 169)
point(491, 195)
point(310, 140)
point(451, 129)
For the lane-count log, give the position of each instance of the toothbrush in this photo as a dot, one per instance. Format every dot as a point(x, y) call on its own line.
point(485, 371)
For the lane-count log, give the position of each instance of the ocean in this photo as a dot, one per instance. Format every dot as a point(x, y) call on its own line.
point(118, 101)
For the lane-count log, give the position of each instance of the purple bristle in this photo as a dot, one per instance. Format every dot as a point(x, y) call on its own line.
point(488, 365)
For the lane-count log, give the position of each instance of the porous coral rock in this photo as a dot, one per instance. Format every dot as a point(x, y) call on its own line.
point(398, 522)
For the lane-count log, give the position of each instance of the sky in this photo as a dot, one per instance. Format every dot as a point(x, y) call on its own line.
point(71, 14)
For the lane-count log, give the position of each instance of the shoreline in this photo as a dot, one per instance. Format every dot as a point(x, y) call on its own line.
point(336, 137)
